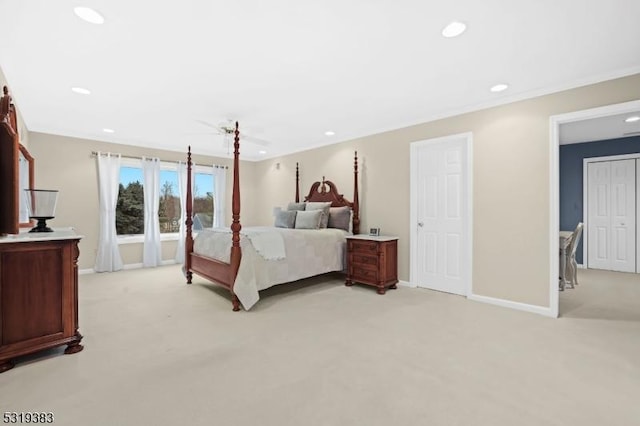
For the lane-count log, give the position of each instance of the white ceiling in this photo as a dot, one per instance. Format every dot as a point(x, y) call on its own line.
point(289, 70)
point(597, 129)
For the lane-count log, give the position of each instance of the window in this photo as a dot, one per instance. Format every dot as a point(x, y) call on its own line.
point(202, 200)
point(169, 209)
point(130, 206)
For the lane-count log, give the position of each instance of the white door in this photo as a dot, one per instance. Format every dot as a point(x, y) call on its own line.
point(612, 215)
point(442, 251)
point(637, 216)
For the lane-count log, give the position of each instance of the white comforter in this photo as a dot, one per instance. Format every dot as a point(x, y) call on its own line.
point(306, 253)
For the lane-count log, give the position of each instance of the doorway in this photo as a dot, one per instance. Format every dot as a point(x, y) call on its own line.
point(554, 181)
point(440, 217)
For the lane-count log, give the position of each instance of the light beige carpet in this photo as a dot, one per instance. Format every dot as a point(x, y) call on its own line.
point(159, 352)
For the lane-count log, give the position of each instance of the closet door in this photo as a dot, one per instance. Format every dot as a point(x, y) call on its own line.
point(612, 215)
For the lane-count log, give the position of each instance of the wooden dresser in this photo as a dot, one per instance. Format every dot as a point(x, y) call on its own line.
point(372, 260)
point(38, 294)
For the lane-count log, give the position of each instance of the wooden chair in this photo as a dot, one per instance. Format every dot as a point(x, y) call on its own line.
point(564, 250)
point(571, 265)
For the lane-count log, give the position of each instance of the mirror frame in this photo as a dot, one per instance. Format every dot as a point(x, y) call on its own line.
point(31, 183)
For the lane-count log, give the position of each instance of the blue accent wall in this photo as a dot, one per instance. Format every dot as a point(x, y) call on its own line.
point(571, 157)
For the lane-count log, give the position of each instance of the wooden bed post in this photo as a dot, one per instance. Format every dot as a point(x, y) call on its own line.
point(188, 246)
point(356, 202)
point(297, 184)
point(236, 254)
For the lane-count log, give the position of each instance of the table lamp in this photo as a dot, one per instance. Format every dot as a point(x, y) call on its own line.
point(42, 206)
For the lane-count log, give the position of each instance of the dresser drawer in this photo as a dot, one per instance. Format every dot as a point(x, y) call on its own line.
point(363, 246)
point(364, 260)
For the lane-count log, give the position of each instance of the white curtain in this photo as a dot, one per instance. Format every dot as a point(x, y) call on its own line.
point(108, 258)
point(220, 184)
point(182, 192)
point(152, 255)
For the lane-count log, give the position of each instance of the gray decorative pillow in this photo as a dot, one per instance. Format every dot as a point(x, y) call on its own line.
point(308, 219)
point(324, 207)
point(296, 206)
point(340, 218)
point(285, 219)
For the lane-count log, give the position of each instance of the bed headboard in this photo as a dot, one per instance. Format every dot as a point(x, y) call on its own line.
point(326, 191)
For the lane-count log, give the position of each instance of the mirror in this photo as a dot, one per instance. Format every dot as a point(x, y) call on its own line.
point(16, 171)
point(25, 179)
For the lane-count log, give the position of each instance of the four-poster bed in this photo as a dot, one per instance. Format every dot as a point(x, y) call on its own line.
point(240, 265)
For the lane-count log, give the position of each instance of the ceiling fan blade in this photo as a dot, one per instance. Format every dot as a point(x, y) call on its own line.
point(208, 125)
point(201, 133)
point(228, 128)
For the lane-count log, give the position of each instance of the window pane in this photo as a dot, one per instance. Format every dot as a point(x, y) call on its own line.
point(203, 201)
point(169, 209)
point(130, 207)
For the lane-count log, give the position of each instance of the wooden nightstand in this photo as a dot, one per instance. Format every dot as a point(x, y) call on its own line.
point(373, 261)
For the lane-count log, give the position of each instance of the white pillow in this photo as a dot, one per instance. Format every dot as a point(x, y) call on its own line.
point(308, 219)
point(296, 206)
point(322, 206)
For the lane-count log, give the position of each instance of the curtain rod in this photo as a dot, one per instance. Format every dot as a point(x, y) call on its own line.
point(219, 166)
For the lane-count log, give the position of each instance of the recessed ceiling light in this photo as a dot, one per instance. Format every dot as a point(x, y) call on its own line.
point(632, 119)
point(88, 14)
point(81, 90)
point(454, 29)
point(108, 130)
point(499, 87)
point(262, 151)
point(329, 133)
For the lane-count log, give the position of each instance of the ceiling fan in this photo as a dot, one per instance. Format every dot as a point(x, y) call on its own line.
point(227, 130)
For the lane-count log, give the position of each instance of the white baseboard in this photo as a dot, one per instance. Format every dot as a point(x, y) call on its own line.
point(540, 310)
point(140, 265)
point(132, 266)
point(581, 266)
point(127, 267)
point(407, 284)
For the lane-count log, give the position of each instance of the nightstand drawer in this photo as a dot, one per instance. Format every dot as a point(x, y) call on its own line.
point(363, 246)
point(365, 274)
point(362, 260)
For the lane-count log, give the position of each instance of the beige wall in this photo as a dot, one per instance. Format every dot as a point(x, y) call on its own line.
point(66, 164)
point(510, 179)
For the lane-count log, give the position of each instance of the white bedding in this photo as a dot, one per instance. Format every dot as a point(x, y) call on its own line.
point(307, 252)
